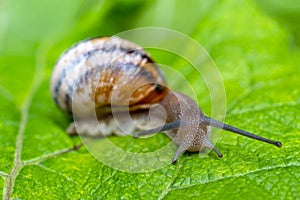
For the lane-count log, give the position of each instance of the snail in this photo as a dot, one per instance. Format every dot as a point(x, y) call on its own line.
point(110, 77)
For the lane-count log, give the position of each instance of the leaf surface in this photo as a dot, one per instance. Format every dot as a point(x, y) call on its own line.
point(259, 67)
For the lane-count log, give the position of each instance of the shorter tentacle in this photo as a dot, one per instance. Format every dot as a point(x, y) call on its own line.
point(169, 126)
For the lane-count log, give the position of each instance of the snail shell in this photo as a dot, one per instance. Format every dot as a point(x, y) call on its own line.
point(94, 70)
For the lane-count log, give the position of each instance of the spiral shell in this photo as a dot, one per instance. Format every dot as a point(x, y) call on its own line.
point(94, 71)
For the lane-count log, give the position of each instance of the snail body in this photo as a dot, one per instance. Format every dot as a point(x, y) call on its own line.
point(110, 77)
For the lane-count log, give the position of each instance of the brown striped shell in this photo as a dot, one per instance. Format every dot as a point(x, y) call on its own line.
point(95, 70)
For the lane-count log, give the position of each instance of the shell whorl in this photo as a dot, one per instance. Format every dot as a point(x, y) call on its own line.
point(94, 70)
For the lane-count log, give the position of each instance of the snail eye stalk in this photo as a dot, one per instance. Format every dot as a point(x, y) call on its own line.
point(214, 123)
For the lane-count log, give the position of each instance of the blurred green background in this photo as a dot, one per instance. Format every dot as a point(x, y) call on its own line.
point(255, 45)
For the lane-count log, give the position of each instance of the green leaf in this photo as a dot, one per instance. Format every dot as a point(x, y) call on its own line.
point(287, 13)
point(259, 68)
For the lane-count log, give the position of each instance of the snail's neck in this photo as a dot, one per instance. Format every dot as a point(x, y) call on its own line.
point(179, 106)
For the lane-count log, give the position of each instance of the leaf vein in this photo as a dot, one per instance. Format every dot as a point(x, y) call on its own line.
point(176, 173)
point(37, 79)
point(238, 175)
point(59, 173)
point(3, 174)
point(51, 155)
